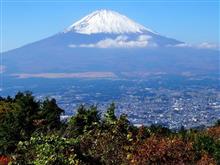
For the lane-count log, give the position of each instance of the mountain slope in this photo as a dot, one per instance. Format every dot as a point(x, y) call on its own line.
point(106, 41)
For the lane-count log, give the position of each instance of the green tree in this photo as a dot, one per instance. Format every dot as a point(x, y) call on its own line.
point(20, 117)
point(109, 116)
point(16, 121)
point(50, 114)
point(26, 113)
point(84, 120)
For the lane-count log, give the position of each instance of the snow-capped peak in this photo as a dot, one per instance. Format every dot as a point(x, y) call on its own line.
point(106, 21)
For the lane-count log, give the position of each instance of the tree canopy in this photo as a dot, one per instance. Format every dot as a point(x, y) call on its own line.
point(31, 132)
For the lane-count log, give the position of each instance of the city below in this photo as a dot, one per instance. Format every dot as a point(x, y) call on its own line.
point(170, 100)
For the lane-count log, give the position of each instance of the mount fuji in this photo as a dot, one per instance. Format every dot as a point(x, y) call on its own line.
point(107, 44)
point(106, 21)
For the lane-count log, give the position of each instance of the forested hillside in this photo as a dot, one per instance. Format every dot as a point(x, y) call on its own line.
point(31, 132)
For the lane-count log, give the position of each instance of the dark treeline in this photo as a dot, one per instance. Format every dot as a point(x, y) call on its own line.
point(31, 132)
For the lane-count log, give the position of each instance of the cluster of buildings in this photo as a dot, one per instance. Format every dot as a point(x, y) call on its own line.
point(189, 107)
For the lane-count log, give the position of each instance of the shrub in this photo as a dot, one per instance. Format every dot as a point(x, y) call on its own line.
point(49, 149)
point(158, 150)
point(159, 130)
point(207, 144)
point(106, 146)
point(206, 159)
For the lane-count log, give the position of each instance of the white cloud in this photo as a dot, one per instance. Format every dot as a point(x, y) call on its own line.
point(204, 45)
point(183, 45)
point(121, 41)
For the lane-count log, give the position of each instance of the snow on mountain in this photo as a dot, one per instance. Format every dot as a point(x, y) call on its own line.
point(106, 21)
point(117, 31)
point(106, 41)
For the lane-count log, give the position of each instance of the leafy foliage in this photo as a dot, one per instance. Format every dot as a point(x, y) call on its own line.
point(84, 120)
point(49, 149)
point(157, 150)
point(109, 117)
point(31, 132)
point(20, 117)
point(107, 144)
point(207, 144)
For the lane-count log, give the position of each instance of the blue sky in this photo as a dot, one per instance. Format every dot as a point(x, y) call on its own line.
point(189, 21)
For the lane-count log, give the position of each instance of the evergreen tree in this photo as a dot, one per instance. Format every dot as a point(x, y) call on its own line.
point(110, 117)
point(50, 114)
